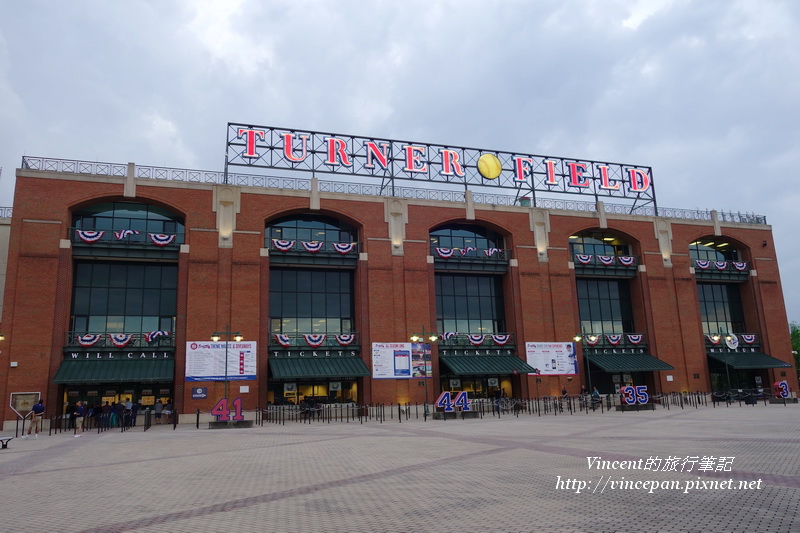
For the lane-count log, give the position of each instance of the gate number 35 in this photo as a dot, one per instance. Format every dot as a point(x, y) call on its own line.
point(631, 394)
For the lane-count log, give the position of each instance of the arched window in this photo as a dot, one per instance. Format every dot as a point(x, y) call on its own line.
point(713, 249)
point(309, 228)
point(128, 222)
point(465, 237)
point(598, 243)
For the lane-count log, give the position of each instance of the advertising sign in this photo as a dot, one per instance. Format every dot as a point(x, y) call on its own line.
point(552, 358)
point(401, 360)
point(205, 361)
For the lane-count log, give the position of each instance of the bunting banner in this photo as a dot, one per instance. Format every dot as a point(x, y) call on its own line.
point(312, 246)
point(583, 258)
point(345, 339)
point(635, 338)
point(89, 339)
point(153, 335)
point(592, 340)
point(344, 247)
point(89, 235)
point(468, 249)
point(283, 339)
point(476, 339)
point(626, 260)
point(606, 260)
point(732, 341)
point(501, 339)
point(120, 340)
point(721, 265)
point(702, 265)
point(713, 339)
point(491, 251)
point(741, 266)
point(448, 335)
point(121, 234)
point(445, 253)
point(614, 339)
point(283, 246)
point(748, 339)
point(314, 340)
point(160, 239)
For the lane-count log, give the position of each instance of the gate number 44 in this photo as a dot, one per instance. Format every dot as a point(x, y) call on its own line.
point(447, 402)
point(222, 412)
point(631, 394)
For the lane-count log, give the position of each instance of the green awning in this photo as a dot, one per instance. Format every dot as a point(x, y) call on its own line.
point(318, 367)
point(492, 365)
point(75, 371)
point(752, 360)
point(638, 362)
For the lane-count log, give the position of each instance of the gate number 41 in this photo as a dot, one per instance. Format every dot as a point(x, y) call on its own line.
point(222, 412)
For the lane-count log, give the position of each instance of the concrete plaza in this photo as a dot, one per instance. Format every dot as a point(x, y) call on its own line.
point(511, 474)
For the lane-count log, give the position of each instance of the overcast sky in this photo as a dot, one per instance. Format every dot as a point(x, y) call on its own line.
point(705, 92)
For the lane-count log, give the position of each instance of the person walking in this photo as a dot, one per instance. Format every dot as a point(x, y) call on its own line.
point(80, 412)
point(36, 414)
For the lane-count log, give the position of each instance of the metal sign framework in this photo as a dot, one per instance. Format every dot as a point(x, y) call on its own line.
point(389, 160)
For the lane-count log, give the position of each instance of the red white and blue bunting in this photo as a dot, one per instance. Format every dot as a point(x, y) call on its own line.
point(476, 339)
point(315, 339)
point(491, 251)
point(721, 265)
point(89, 339)
point(283, 339)
point(714, 339)
point(583, 259)
point(635, 338)
point(626, 260)
point(741, 266)
point(468, 249)
point(748, 339)
point(702, 265)
point(161, 239)
point(345, 339)
point(344, 247)
point(120, 340)
point(282, 245)
point(614, 339)
point(592, 340)
point(312, 246)
point(501, 339)
point(606, 260)
point(448, 335)
point(89, 235)
point(121, 234)
point(445, 253)
point(153, 335)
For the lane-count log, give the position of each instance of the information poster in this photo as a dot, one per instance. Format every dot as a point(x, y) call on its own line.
point(401, 360)
point(205, 361)
point(552, 358)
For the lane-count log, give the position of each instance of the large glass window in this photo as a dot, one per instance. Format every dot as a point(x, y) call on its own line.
point(463, 236)
point(311, 301)
point(604, 306)
point(118, 297)
point(311, 228)
point(117, 216)
point(720, 308)
point(597, 243)
point(469, 303)
point(713, 249)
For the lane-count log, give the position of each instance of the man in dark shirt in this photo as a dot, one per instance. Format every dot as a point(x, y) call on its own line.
point(36, 414)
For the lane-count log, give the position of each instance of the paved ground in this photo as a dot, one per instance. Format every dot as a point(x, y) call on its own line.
point(513, 474)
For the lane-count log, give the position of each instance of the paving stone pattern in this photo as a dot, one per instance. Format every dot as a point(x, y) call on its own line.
point(465, 475)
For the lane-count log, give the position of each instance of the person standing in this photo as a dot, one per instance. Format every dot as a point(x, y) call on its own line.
point(159, 408)
point(36, 414)
point(80, 412)
point(168, 411)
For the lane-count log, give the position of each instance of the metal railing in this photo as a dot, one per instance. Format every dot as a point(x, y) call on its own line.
point(369, 189)
point(117, 340)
